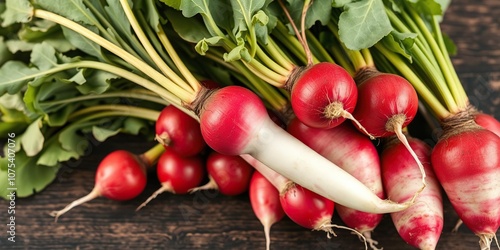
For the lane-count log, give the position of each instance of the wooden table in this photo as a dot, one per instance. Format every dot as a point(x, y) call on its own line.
point(208, 220)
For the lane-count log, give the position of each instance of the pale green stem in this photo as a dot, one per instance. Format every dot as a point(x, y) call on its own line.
point(181, 93)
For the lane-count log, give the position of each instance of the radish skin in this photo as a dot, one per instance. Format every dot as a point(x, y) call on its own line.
point(488, 122)
point(229, 174)
point(422, 223)
point(356, 154)
point(177, 174)
point(467, 164)
point(231, 126)
point(265, 201)
point(121, 175)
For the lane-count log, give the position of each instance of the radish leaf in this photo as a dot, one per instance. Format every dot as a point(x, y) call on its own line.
point(17, 11)
point(363, 23)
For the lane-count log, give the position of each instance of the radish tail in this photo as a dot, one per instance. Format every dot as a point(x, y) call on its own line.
point(211, 184)
point(373, 243)
point(349, 116)
point(455, 228)
point(267, 233)
point(90, 196)
point(327, 227)
point(163, 188)
point(397, 126)
point(485, 241)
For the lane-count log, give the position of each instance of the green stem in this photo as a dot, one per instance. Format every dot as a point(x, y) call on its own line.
point(152, 155)
point(463, 99)
point(132, 93)
point(290, 41)
point(439, 57)
point(278, 55)
point(150, 49)
point(271, 63)
point(419, 86)
point(181, 93)
point(355, 56)
point(320, 55)
point(117, 110)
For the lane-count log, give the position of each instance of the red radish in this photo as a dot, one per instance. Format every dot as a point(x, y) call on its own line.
point(387, 103)
point(488, 122)
point(234, 121)
point(302, 206)
point(179, 132)
point(120, 176)
point(265, 201)
point(177, 174)
point(229, 174)
point(323, 95)
point(422, 223)
point(467, 164)
point(356, 154)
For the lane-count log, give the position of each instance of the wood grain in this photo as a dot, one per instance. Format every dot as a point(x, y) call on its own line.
point(208, 220)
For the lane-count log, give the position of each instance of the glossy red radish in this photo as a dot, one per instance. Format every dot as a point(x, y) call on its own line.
point(387, 104)
point(234, 121)
point(421, 224)
point(265, 201)
point(488, 122)
point(229, 174)
point(302, 206)
point(179, 131)
point(121, 175)
point(324, 95)
point(356, 154)
point(466, 160)
point(177, 174)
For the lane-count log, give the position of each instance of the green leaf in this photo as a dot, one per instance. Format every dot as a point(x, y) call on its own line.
point(101, 134)
point(363, 23)
point(38, 29)
point(239, 52)
point(134, 125)
point(72, 9)
point(243, 14)
point(97, 83)
point(176, 4)
point(320, 10)
point(340, 3)
point(14, 75)
point(43, 56)
point(32, 139)
point(30, 177)
point(53, 154)
point(400, 43)
point(82, 43)
point(71, 140)
point(216, 14)
point(17, 11)
point(189, 29)
point(203, 45)
point(5, 54)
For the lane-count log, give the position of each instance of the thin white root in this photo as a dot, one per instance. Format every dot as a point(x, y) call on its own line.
point(373, 243)
point(211, 184)
point(90, 196)
point(459, 223)
point(162, 189)
point(485, 241)
point(349, 116)
point(328, 229)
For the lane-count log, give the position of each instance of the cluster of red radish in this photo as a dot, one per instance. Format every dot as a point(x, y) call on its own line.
point(386, 104)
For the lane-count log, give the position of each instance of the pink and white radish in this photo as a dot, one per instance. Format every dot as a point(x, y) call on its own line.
point(467, 164)
point(177, 174)
point(179, 132)
point(421, 224)
point(356, 154)
point(229, 174)
point(265, 201)
point(120, 176)
point(488, 122)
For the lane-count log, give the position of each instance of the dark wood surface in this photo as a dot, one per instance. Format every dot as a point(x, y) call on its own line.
point(208, 220)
